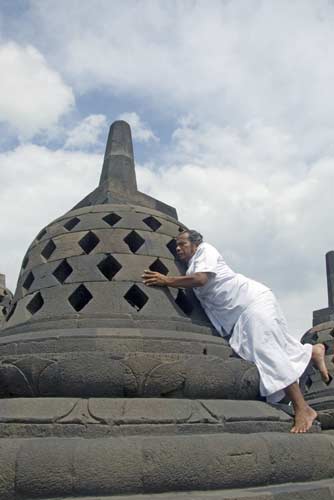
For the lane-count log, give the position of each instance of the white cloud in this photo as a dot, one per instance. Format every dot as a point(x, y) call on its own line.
point(86, 133)
point(32, 95)
point(38, 185)
point(141, 132)
point(227, 61)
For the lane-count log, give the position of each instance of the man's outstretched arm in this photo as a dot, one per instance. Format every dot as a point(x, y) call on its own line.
point(191, 281)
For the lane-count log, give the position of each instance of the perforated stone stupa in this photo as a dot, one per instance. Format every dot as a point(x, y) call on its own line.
point(5, 300)
point(111, 389)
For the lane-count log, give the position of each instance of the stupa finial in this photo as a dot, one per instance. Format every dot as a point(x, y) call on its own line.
point(330, 277)
point(118, 162)
point(2, 281)
point(118, 182)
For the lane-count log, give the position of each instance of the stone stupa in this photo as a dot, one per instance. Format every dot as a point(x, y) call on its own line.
point(5, 300)
point(319, 395)
point(114, 390)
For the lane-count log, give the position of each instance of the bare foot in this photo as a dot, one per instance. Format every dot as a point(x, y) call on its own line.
point(318, 357)
point(304, 419)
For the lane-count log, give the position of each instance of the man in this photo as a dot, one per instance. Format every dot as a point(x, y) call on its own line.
point(247, 313)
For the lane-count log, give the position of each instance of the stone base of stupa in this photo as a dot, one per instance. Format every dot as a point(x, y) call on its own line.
point(93, 448)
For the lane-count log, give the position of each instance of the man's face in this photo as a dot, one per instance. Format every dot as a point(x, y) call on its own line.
point(184, 248)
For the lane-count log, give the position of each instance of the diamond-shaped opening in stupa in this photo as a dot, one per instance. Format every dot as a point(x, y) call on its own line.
point(80, 298)
point(48, 250)
point(172, 247)
point(184, 303)
point(63, 271)
point(35, 304)
point(152, 222)
point(41, 234)
point(111, 219)
point(11, 311)
point(136, 297)
point(28, 281)
point(70, 224)
point(25, 262)
point(159, 267)
point(134, 241)
point(109, 267)
point(89, 242)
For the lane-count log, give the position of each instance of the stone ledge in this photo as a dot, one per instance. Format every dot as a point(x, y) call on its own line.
point(316, 490)
point(149, 465)
point(96, 417)
point(79, 373)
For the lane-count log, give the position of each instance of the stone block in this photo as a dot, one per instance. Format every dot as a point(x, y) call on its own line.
point(35, 410)
point(237, 411)
point(8, 456)
point(2, 282)
point(160, 464)
point(323, 315)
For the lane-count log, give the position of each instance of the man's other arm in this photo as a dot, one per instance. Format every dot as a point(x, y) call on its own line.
point(190, 281)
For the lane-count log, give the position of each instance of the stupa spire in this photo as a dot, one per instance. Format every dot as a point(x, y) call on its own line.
point(118, 164)
point(118, 182)
point(330, 277)
point(327, 313)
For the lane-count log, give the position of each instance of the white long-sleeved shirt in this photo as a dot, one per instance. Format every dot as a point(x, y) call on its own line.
point(226, 294)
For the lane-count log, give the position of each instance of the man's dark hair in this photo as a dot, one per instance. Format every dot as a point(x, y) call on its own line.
point(193, 236)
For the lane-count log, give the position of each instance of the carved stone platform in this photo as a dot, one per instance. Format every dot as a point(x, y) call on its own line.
point(110, 389)
point(66, 447)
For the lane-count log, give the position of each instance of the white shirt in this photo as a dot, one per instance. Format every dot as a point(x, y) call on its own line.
point(226, 294)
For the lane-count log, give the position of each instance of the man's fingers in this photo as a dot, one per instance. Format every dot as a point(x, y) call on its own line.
point(150, 281)
point(152, 278)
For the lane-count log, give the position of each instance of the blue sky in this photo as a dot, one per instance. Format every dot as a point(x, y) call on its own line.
point(231, 109)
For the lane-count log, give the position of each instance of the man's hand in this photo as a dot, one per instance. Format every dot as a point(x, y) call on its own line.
point(152, 278)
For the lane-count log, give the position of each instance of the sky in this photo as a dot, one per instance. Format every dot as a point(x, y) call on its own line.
point(232, 114)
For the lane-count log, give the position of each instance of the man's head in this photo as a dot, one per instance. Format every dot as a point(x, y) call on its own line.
point(187, 243)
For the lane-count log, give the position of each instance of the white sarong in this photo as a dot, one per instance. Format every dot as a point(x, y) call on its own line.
point(261, 336)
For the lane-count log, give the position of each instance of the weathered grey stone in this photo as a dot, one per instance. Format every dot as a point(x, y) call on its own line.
point(327, 314)
point(27, 417)
point(8, 457)
point(6, 298)
point(319, 394)
point(163, 463)
point(85, 374)
point(315, 490)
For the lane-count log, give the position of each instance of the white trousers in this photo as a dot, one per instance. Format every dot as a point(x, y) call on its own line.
point(261, 336)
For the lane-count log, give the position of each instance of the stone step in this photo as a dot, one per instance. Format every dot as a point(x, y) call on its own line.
point(315, 490)
point(63, 467)
point(97, 417)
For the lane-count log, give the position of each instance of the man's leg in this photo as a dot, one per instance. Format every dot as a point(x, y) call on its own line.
point(304, 414)
point(318, 358)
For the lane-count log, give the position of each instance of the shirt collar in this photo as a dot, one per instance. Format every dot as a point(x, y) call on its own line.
point(194, 256)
